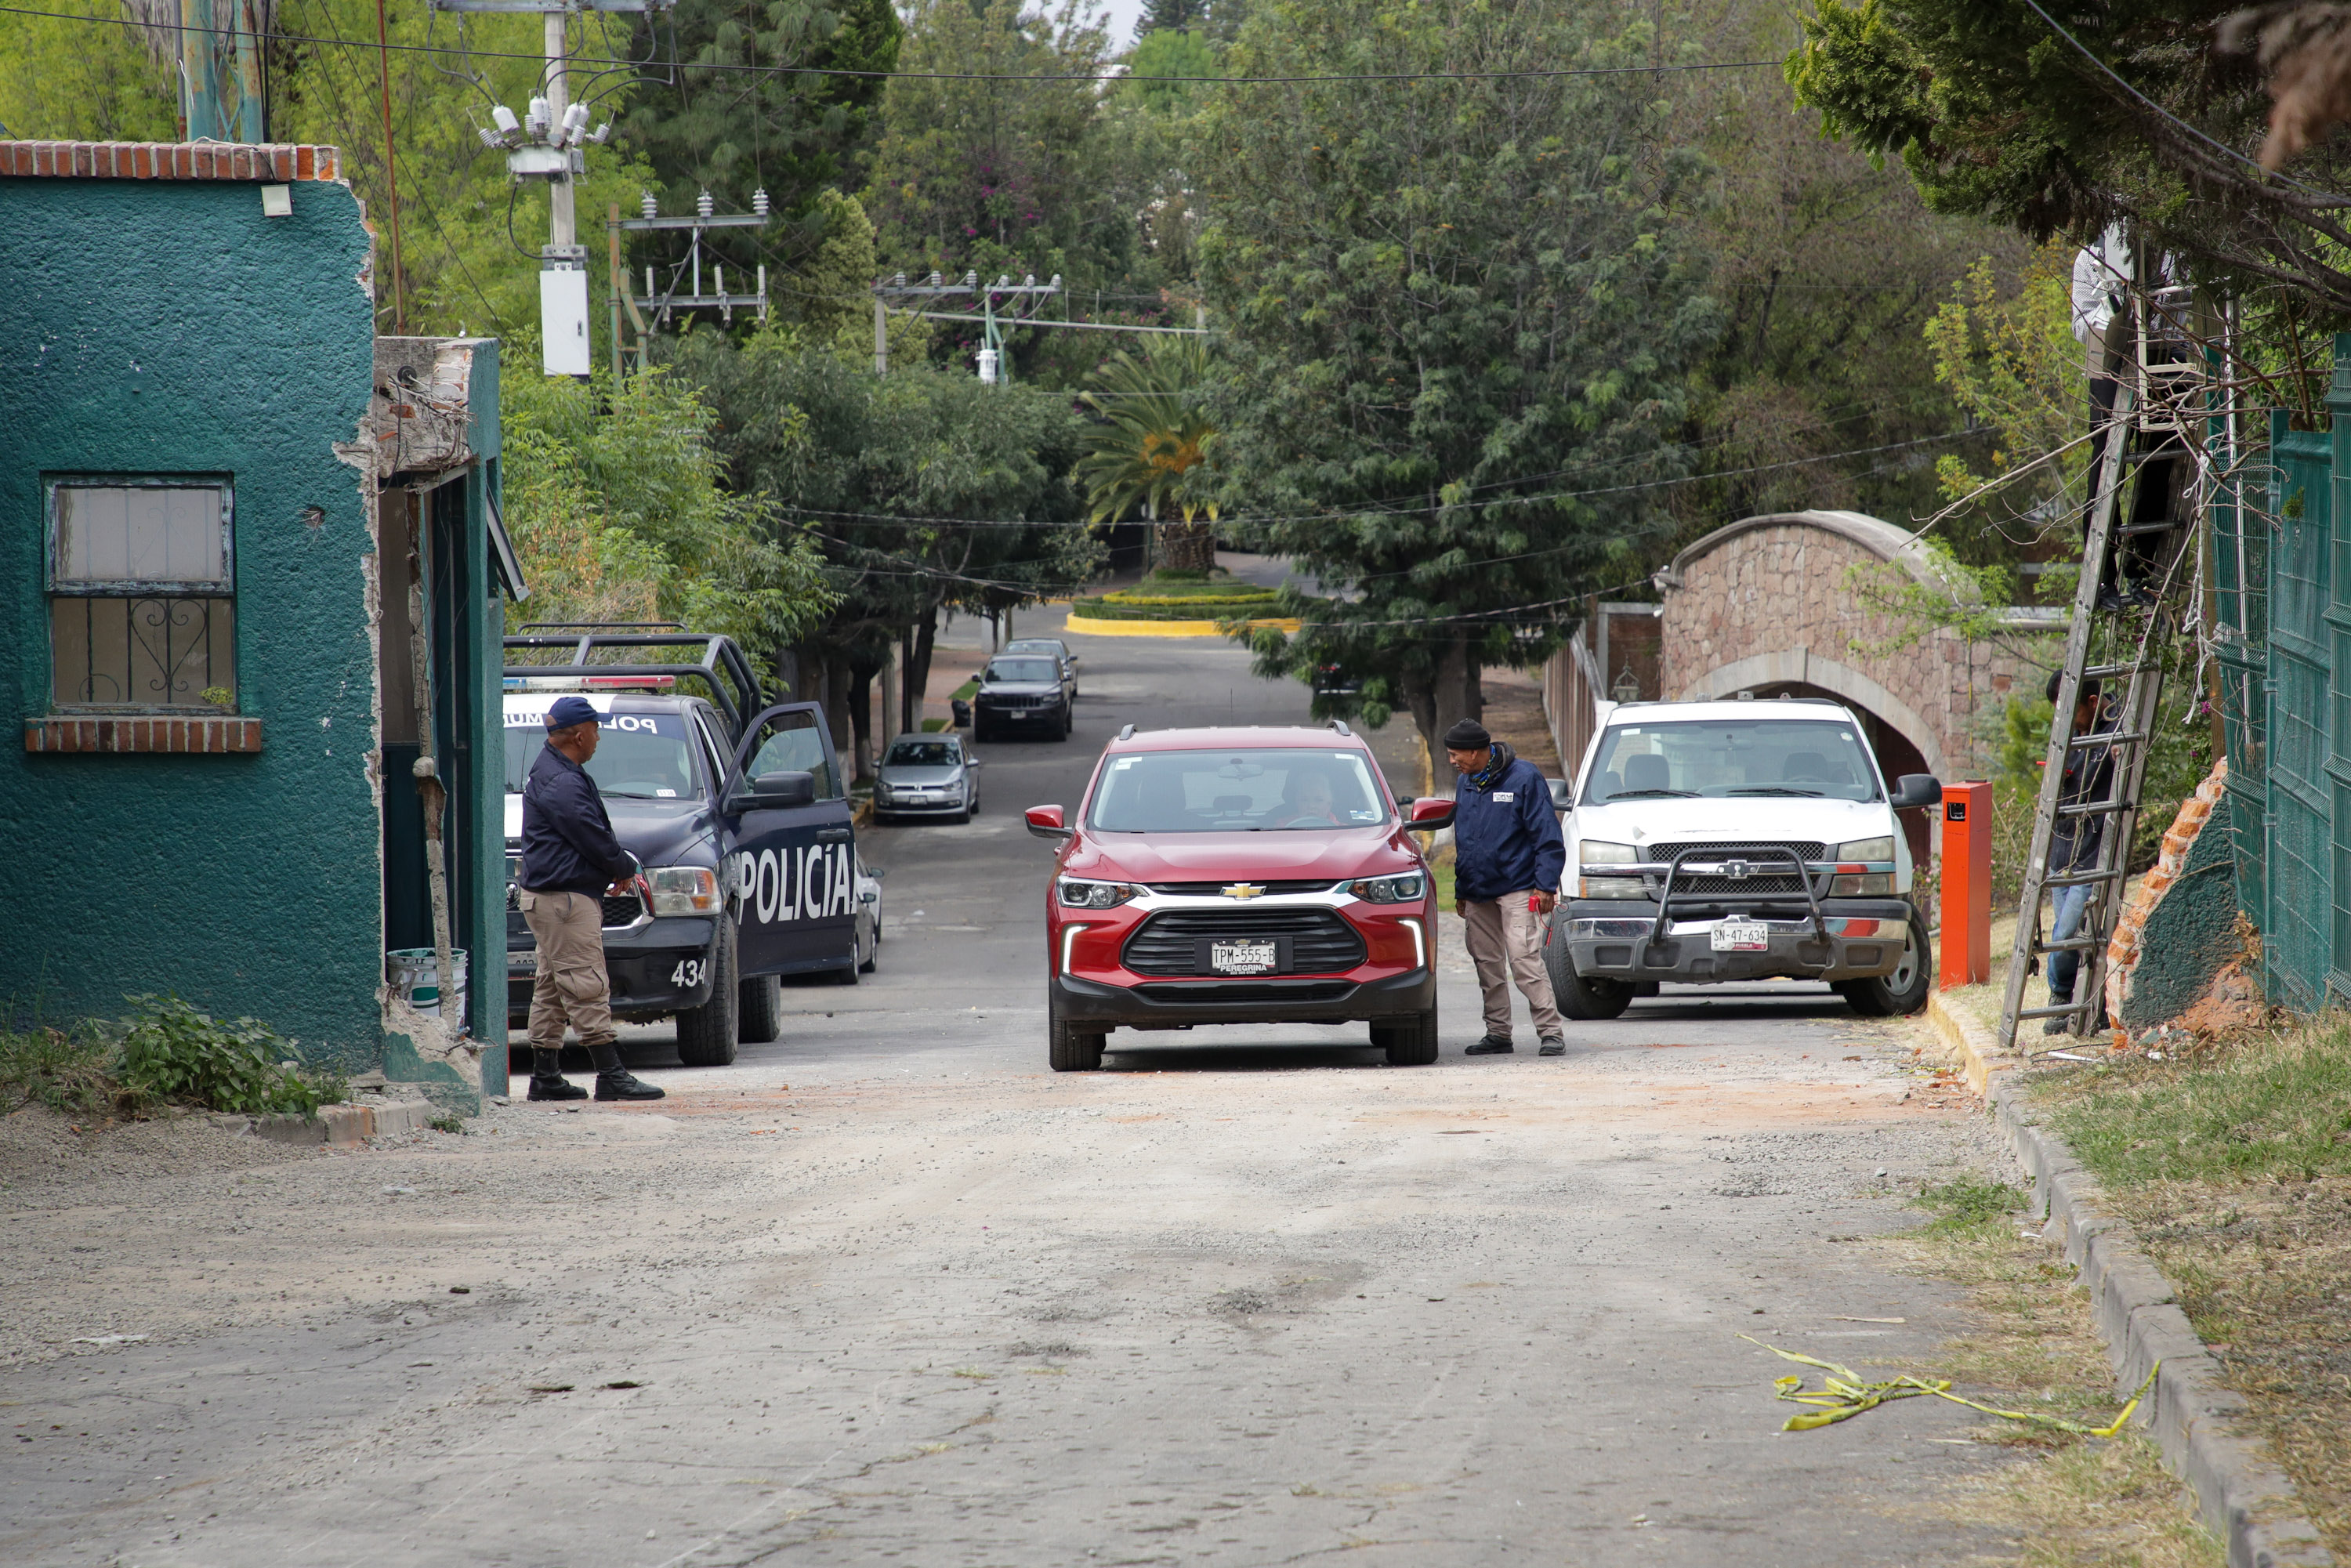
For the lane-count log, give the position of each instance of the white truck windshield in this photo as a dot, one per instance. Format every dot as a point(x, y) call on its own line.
point(638, 756)
point(1758, 757)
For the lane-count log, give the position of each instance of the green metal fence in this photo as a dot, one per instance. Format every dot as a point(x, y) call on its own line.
point(2240, 576)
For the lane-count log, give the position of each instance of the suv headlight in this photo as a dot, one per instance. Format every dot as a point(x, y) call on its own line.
point(1405, 889)
point(1076, 895)
point(1593, 852)
point(683, 890)
point(1866, 883)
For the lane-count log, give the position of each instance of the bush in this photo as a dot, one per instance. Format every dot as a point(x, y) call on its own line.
point(69, 1071)
point(171, 1051)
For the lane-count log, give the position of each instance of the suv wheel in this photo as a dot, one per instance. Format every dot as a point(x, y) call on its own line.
point(760, 1015)
point(1409, 1040)
point(1068, 1050)
point(1577, 998)
point(706, 1034)
point(1902, 992)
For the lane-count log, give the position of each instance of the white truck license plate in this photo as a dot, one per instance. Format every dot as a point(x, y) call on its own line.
point(1741, 936)
point(1244, 958)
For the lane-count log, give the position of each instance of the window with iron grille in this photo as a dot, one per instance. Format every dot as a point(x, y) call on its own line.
point(141, 580)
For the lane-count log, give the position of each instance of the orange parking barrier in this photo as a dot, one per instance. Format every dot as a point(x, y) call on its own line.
point(1967, 884)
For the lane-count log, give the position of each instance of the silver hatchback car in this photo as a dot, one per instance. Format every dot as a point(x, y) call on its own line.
point(926, 776)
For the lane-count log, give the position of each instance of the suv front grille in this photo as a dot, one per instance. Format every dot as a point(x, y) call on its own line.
point(622, 910)
point(1211, 889)
point(1018, 700)
point(1763, 883)
point(1167, 944)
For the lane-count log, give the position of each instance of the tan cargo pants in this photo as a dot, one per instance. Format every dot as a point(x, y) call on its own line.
point(572, 983)
point(1505, 940)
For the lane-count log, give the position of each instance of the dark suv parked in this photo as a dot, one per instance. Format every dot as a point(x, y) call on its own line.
point(1023, 693)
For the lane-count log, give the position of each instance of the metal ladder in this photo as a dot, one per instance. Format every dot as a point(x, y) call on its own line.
point(2108, 646)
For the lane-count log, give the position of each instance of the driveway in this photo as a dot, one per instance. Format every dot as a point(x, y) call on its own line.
point(888, 1290)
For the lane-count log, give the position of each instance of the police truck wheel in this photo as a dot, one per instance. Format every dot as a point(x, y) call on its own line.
point(706, 1034)
point(1068, 1050)
point(760, 1015)
point(1901, 992)
point(1409, 1040)
point(1577, 998)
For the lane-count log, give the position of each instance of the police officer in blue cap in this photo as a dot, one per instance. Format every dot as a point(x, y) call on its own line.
point(570, 859)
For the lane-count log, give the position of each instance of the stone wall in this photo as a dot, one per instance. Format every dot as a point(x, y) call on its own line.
point(1771, 602)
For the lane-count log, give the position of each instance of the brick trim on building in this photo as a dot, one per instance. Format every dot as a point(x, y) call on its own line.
point(275, 163)
point(217, 734)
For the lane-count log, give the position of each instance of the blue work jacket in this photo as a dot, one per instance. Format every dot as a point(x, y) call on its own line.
point(568, 844)
point(1505, 838)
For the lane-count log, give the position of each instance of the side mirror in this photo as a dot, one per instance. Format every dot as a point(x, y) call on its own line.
point(877, 872)
point(1913, 791)
point(773, 792)
point(1563, 794)
point(1046, 822)
point(1429, 813)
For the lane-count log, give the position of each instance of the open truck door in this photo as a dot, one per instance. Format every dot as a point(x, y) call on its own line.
point(795, 851)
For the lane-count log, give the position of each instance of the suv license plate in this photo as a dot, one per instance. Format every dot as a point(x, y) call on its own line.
point(1741, 936)
point(1244, 958)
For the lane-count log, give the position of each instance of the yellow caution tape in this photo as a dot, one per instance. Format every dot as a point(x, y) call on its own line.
point(1843, 1394)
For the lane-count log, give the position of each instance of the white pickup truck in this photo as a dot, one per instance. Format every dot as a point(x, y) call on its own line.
point(1713, 842)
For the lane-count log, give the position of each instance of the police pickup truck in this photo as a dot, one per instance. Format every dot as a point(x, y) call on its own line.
point(735, 808)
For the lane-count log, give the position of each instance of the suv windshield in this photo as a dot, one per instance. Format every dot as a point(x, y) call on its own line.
point(1755, 757)
point(923, 753)
point(1035, 646)
point(1237, 790)
point(1038, 670)
point(638, 756)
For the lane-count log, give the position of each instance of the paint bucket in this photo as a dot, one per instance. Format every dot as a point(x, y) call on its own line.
point(411, 972)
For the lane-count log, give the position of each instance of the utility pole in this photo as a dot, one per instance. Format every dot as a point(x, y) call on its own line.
point(548, 143)
point(1025, 298)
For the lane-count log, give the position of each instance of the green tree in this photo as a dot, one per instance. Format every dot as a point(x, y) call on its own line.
point(2012, 361)
point(2135, 116)
point(615, 498)
point(1441, 293)
point(78, 76)
point(863, 467)
point(1167, 53)
point(1148, 452)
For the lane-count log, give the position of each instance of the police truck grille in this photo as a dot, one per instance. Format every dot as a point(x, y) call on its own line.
point(1772, 874)
point(622, 909)
point(1167, 944)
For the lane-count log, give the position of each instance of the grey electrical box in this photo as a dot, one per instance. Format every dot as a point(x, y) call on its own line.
point(563, 320)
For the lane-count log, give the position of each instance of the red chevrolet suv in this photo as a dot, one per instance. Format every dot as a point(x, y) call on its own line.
point(1240, 876)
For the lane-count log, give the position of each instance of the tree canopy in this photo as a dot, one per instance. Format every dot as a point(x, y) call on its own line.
point(1457, 308)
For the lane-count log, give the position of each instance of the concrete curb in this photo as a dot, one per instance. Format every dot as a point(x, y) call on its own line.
point(2240, 1494)
point(339, 1126)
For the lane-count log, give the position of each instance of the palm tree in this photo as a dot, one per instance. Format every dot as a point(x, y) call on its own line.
point(1152, 443)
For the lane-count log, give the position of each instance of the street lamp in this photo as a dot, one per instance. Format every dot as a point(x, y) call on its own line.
point(1627, 688)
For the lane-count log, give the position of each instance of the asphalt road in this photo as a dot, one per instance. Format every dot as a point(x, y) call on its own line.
point(888, 1290)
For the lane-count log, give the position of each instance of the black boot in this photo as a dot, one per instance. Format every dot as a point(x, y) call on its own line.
point(547, 1080)
point(614, 1082)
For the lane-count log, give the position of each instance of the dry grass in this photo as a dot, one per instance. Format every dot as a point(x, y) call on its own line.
point(2234, 1167)
point(2075, 1502)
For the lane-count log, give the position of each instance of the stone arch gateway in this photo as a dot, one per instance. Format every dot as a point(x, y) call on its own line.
point(1767, 606)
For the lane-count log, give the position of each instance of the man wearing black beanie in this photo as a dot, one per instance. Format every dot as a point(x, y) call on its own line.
point(1507, 856)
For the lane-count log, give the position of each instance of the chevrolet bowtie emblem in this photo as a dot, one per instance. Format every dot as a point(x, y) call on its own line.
point(1739, 871)
point(1243, 890)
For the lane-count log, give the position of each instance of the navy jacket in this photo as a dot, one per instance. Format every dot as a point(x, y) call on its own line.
point(1505, 838)
point(567, 839)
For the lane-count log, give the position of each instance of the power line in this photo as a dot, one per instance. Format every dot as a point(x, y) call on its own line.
point(915, 76)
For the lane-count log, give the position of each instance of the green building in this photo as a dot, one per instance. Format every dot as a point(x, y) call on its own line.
point(216, 489)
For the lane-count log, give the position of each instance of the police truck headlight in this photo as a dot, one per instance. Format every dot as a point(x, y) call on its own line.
point(1854, 883)
point(1405, 889)
point(683, 890)
point(1076, 895)
point(1592, 853)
